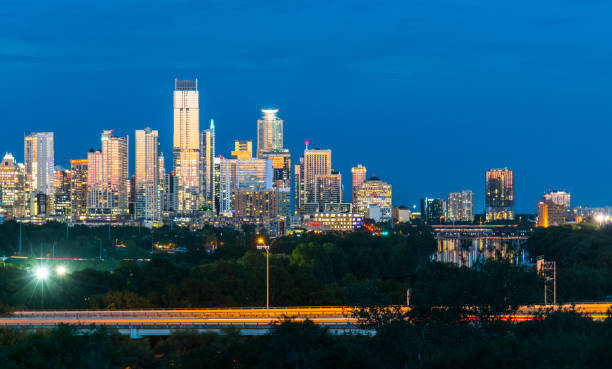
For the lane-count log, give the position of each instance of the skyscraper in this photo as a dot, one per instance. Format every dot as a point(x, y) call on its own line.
point(281, 179)
point(12, 188)
point(328, 189)
point(269, 132)
point(187, 145)
point(460, 206)
point(359, 176)
point(374, 192)
point(499, 200)
point(146, 176)
point(107, 179)
point(433, 210)
point(316, 163)
point(207, 167)
point(62, 192)
point(39, 168)
point(78, 190)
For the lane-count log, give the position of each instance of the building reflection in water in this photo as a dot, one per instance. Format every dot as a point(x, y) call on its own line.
point(466, 245)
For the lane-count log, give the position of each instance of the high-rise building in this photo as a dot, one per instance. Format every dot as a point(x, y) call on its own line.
point(359, 176)
point(62, 192)
point(243, 149)
point(107, 179)
point(433, 210)
point(187, 146)
point(254, 174)
point(315, 163)
point(553, 210)
point(374, 193)
point(281, 179)
point(550, 213)
point(499, 200)
point(298, 183)
point(227, 184)
point(256, 203)
point(147, 205)
point(78, 190)
point(269, 132)
point(12, 188)
point(460, 206)
point(207, 167)
point(39, 168)
point(168, 196)
point(328, 189)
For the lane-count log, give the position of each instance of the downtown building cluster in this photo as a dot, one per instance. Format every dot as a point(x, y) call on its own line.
point(256, 185)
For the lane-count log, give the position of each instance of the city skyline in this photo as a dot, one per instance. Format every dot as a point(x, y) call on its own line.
point(428, 74)
point(229, 152)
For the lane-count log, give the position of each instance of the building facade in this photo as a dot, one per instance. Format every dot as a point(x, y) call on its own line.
point(78, 190)
point(12, 188)
point(147, 204)
point(256, 203)
point(359, 174)
point(207, 168)
point(39, 170)
point(269, 132)
point(499, 195)
point(433, 210)
point(460, 206)
point(374, 193)
point(186, 145)
point(107, 179)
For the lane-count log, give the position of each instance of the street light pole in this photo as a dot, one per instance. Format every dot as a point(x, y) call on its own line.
point(261, 246)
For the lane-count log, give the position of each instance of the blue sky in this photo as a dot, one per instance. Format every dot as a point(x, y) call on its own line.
point(426, 94)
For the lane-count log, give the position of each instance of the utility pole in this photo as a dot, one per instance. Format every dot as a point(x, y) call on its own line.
point(548, 271)
point(20, 238)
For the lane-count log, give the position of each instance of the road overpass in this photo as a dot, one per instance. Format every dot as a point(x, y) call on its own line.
point(248, 321)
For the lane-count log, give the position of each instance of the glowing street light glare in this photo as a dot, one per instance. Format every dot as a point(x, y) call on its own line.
point(60, 270)
point(600, 218)
point(41, 273)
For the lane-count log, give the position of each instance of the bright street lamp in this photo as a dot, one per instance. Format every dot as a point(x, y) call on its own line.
point(41, 273)
point(60, 270)
point(261, 246)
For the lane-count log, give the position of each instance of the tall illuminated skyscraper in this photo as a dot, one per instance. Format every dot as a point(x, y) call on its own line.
point(39, 168)
point(78, 190)
point(207, 168)
point(313, 174)
point(146, 176)
point(359, 176)
point(499, 200)
point(107, 179)
point(12, 188)
point(269, 132)
point(187, 145)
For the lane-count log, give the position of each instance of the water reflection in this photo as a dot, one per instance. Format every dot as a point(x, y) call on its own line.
point(467, 251)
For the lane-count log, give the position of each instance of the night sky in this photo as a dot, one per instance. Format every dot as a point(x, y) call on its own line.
point(427, 94)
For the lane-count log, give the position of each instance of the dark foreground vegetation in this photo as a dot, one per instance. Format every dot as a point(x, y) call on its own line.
point(221, 267)
point(563, 340)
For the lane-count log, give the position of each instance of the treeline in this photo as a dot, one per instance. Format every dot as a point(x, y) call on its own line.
point(562, 340)
point(312, 269)
point(583, 256)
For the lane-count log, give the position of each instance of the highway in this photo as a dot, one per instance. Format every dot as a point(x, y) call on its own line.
point(248, 321)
